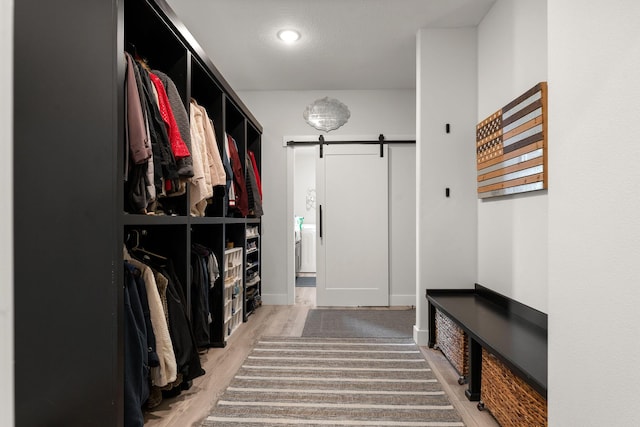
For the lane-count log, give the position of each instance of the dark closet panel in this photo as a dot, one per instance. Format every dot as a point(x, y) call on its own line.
point(66, 123)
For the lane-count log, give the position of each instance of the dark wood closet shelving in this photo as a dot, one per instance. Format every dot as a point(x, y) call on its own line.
point(69, 121)
point(154, 33)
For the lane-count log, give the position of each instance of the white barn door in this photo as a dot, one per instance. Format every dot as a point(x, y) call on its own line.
point(352, 226)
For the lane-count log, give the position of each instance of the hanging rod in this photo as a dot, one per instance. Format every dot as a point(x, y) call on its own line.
point(324, 142)
point(381, 140)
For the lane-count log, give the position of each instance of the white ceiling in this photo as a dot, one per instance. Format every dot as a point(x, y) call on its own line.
point(345, 44)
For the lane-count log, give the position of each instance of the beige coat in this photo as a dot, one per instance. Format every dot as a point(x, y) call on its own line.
point(208, 170)
point(168, 369)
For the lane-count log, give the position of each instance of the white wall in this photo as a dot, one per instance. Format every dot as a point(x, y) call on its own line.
point(6, 214)
point(446, 227)
point(512, 230)
point(280, 113)
point(402, 233)
point(304, 180)
point(594, 212)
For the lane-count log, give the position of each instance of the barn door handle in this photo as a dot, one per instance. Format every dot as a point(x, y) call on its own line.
point(321, 221)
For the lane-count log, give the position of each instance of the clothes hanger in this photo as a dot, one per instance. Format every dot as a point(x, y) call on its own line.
point(138, 248)
point(133, 51)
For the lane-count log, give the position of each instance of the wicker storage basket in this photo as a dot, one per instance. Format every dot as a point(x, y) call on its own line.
point(453, 343)
point(511, 401)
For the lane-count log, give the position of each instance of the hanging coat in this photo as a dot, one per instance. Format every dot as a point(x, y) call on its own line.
point(255, 170)
point(165, 168)
point(185, 164)
point(255, 201)
point(178, 147)
point(239, 184)
point(166, 371)
point(200, 187)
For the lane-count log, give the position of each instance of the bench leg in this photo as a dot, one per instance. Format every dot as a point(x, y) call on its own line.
point(475, 370)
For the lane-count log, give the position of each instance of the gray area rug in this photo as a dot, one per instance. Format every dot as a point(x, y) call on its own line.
point(341, 323)
point(334, 382)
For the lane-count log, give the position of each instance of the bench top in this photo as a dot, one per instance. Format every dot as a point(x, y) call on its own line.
point(502, 326)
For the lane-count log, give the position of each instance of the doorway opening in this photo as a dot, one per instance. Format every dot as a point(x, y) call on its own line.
point(308, 168)
point(304, 223)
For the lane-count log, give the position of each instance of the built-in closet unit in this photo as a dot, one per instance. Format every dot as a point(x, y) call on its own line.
point(69, 199)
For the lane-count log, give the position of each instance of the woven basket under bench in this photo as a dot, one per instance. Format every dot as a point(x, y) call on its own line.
point(453, 343)
point(511, 401)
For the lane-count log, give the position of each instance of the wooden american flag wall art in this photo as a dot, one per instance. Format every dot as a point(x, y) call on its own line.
point(511, 146)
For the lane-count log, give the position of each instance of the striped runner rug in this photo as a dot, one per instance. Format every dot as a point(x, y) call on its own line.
point(334, 382)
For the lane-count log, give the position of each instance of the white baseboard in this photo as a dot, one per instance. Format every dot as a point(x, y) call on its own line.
point(396, 300)
point(420, 336)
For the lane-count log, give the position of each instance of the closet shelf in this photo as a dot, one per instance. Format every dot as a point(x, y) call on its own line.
point(230, 220)
point(132, 219)
point(135, 219)
point(208, 220)
point(215, 220)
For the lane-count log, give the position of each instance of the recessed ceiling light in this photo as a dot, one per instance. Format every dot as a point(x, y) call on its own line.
point(289, 36)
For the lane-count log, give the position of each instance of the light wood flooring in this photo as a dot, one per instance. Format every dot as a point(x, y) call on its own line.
point(193, 405)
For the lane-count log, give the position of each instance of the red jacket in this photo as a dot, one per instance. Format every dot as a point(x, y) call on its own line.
point(178, 147)
point(239, 185)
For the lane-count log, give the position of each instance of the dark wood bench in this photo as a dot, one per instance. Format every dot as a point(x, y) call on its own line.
point(514, 333)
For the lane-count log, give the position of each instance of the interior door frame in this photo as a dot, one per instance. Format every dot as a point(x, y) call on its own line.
point(290, 250)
